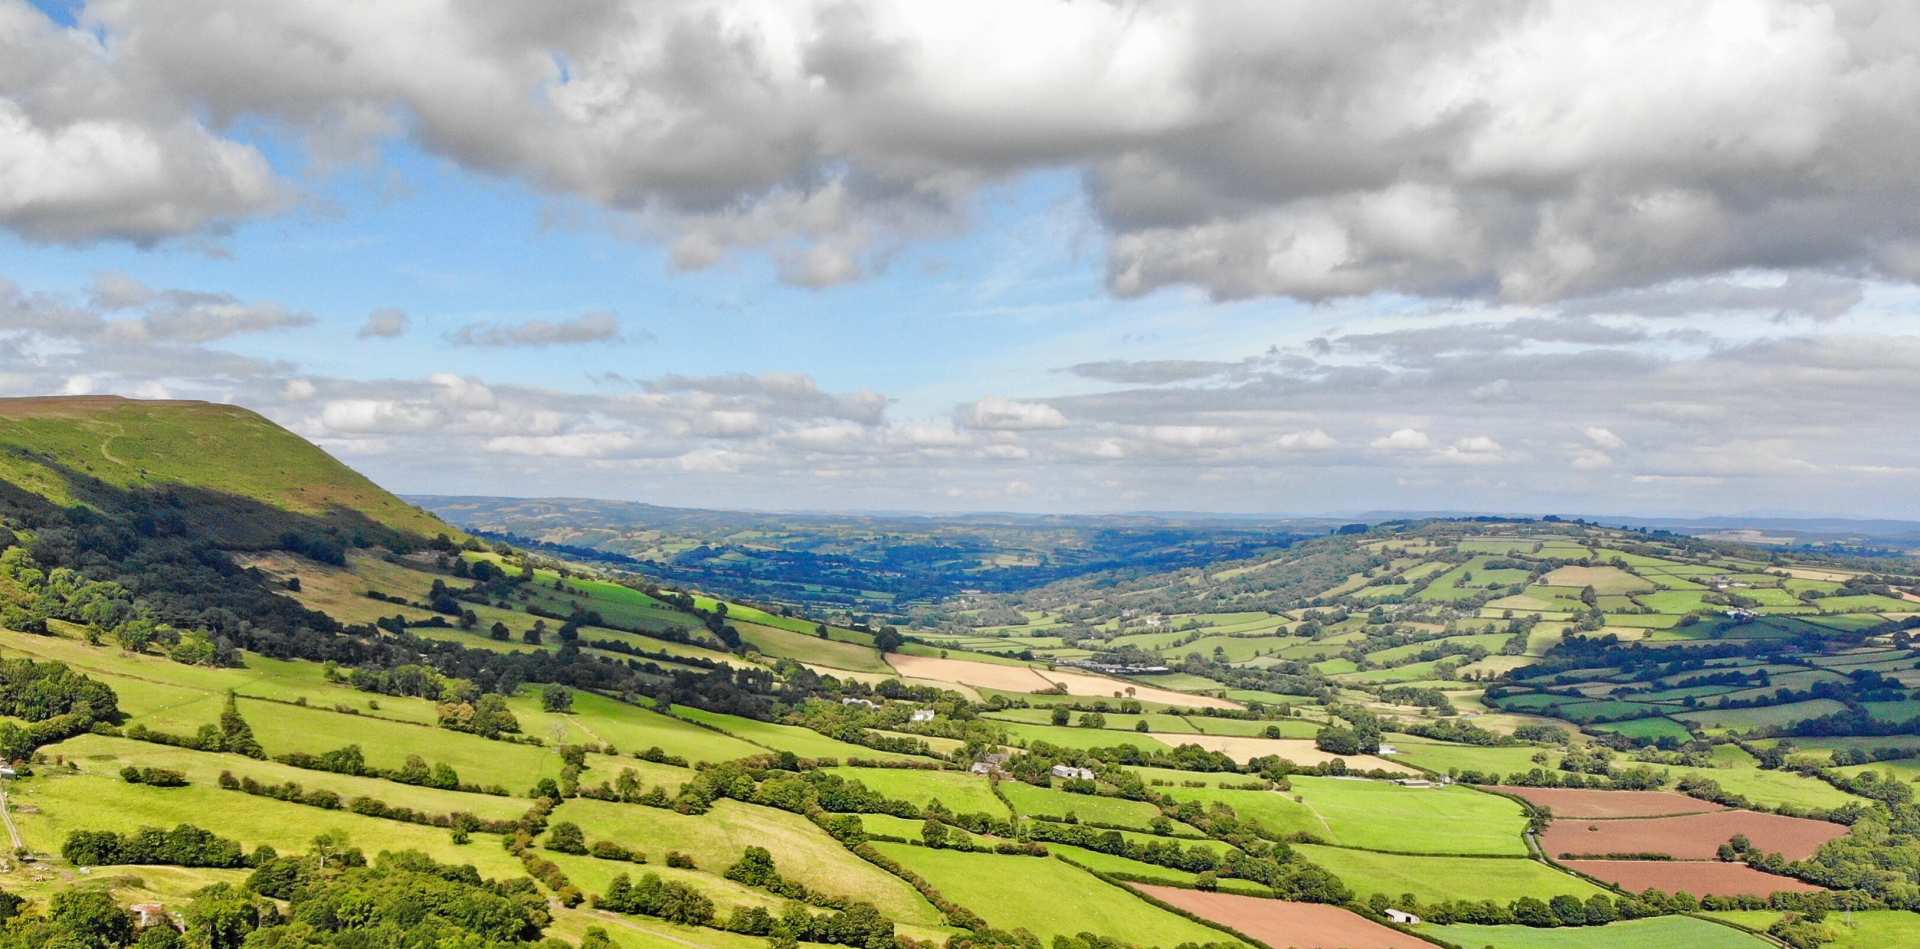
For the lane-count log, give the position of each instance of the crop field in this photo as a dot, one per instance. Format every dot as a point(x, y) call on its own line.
point(1436, 879)
point(1701, 878)
point(1285, 923)
point(1689, 837)
point(1662, 932)
point(1046, 897)
point(1300, 751)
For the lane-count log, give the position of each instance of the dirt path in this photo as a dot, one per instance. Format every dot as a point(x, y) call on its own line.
point(7, 817)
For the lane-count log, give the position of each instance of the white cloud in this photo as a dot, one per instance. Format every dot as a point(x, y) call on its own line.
point(1527, 151)
point(1604, 438)
point(1590, 459)
point(994, 413)
point(1310, 440)
point(574, 445)
point(1404, 439)
point(299, 390)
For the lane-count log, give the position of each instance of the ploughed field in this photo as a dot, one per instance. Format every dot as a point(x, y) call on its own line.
point(1689, 837)
point(1701, 878)
point(1286, 923)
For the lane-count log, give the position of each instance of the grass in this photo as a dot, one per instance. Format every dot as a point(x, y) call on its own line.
point(962, 793)
point(1659, 932)
point(1740, 773)
point(630, 728)
point(804, 742)
point(1443, 757)
point(1863, 929)
point(716, 839)
point(1646, 728)
point(1432, 879)
point(150, 445)
point(1742, 719)
point(1033, 801)
point(1380, 815)
point(787, 644)
point(1081, 738)
point(1046, 897)
point(52, 805)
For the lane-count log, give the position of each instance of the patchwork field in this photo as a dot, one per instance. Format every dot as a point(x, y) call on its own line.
point(1576, 802)
point(1283, 923)
point(1690, 837)
point(1707, 878)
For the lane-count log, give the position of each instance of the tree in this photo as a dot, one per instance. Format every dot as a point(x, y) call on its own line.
point(236, 735)
point(887, 639)
point(933, 833)
point(221, 916)
point(1061, 715)
point(556, 698)
point(566, 837)
point(92, 916)
point(500, 632)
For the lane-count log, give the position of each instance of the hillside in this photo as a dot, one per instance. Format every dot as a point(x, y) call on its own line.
point(1264, 751)
point(108, 452)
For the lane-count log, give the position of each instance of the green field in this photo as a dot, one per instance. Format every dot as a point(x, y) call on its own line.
point(1380, 815)
point(962, 793)
point(715, 840)
point(1433, 879)
point(1046, 897)
point(1033, 801)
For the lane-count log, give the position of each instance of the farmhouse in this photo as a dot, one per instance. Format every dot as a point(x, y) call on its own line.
point(1072, 773)
point(923, 714)
point(1403, 917)
point(995, 763)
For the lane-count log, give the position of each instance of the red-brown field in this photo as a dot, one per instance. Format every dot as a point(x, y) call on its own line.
point(1693, 837)
point(1703, 878)
point(1283, 923)
point(1578, 802)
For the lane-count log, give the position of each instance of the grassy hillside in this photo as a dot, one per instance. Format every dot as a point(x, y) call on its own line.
point(105, 451)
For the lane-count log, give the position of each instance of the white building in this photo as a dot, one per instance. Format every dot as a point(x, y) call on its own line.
point(923, 714)
point(1072, 773)
point(1403, 917)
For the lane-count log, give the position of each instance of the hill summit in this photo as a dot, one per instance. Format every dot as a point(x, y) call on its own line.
point(244, 479)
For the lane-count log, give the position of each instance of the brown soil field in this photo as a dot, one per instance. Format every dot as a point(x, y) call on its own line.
point(1706, 878)
point(989, 675)
point(1284, 923)
point(1693, 837)
point(1300, 751)
point(1579, 802)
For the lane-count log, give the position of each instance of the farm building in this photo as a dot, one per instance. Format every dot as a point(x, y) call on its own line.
point(1071, 773)
point(1403, 917)
point(923, 715)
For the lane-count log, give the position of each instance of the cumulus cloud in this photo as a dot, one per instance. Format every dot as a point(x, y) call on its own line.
point(88, 151)
point(384, 323)
point(119, 308)
point(994, 413)
point(1403, 439)
point(1526, 151)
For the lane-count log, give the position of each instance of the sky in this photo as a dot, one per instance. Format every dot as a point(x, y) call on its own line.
point(1270, 257)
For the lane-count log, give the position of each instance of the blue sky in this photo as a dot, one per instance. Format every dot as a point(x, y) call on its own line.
point(838, 256)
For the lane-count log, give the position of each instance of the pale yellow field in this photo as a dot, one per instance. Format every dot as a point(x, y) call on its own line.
point(1300, 751)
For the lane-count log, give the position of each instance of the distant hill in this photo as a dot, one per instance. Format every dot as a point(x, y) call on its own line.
point(229, 468)
point(881, 563)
